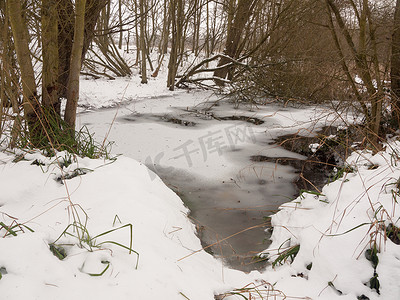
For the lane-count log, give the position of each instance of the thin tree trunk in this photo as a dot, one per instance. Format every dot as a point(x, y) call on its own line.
point(65, 38)
point(50, 99)
point(174, 46)
point(207, 41)
point(199, 14)
point(75, 66)
point(177, 42)
point(66, 19)
point(3, 67)
point(127, 41)
point(343, 62)
point(93, 9)
point(137, 36)
point(166, 28)
point(9, 77)
point(120, 24)
point(196, 27)
point(21, 42)
point(143, 41)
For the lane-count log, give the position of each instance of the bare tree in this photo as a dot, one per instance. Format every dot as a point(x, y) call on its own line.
point(59, 31)
point(236, 24)
point(395, 66)
point(362, 52)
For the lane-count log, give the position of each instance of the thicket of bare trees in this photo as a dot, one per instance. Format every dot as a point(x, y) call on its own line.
point(61, 32)
point(308, 50)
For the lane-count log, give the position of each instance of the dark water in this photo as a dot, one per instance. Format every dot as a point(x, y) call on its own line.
point(231, 216)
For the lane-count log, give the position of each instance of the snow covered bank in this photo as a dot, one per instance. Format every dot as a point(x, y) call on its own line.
point(332, 232)
point(328, 235)
point(110, 194)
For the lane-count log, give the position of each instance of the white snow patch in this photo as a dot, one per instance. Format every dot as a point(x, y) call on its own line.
point(162, 235)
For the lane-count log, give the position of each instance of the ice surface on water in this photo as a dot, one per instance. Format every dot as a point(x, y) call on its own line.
point(208, 164)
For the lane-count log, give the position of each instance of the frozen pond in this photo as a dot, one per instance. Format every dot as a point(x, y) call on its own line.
point(203, 152)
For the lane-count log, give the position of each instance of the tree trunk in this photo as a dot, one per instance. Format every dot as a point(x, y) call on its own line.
point(75, 65)
point(143, 41)
point(128, 35)
point(50, 99)
point(235, 30)
point(137, 36)
point(177, 42)
point(21, 42)
point(121, 36)
point(173, 58)
point(66, 19)
point(196, 26)
point(207, 41)
point(358, 57)
point(92, 13)
point(65, 38)
point(9, 78)
point(395, 67)
point(3, 67)
point(166, 27)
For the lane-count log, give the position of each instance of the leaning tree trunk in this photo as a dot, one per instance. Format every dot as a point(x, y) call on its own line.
point(92, 13)
point(358, 50)
point(235, 30)
point(21, 43)
point(75, 65)
point(395, 67)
